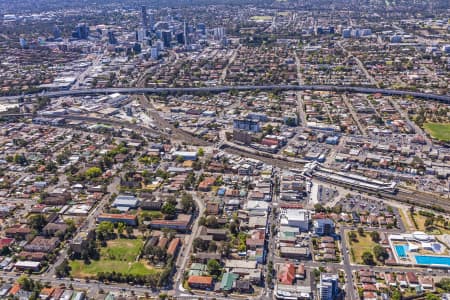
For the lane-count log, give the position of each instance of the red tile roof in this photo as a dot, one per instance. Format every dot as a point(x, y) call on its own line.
point(173, 246)
point(206, 280)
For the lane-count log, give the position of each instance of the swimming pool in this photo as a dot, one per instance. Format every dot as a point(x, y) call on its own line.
point(401, 250)
point(433, 260)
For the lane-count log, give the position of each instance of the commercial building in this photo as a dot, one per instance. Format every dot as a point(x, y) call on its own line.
point(125, 202)
point(323, 227)
point(295, 252)
point(166, 36)
point(154, 53)
point(295, 218)
point(396, 39)
point(81, 31)
point(186, 155)
point(291, 292)
point(144, 16)
point(328, 287)
point(247, 124)
point(242, 136)
point(28, 265)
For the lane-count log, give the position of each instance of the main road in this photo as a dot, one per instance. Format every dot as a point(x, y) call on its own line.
point(220, 89)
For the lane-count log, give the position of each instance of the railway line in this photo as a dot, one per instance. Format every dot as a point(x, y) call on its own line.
point(402, 195)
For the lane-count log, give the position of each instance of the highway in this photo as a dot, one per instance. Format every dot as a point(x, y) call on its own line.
point(220, 89)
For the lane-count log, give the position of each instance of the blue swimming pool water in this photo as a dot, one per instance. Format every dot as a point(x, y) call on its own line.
point(433, 260)
point(401, 250)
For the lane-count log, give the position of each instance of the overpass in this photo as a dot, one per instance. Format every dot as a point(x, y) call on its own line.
point(220, 89)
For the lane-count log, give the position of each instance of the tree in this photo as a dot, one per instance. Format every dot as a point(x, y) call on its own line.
point(190, 181)
point(62, 158)
point(20, 159)
point(51, 166)
point(431, 296)
point(105, 230)
point(396, 295)
point(187, 202)
point(291, 122)
point(37, 222)
point(168, 209)
point(5, 251)
point(200, 244)
point(361, 231)
point(107, 162)
point(352, 236)
point(380, 253)
point(129, 231)
point(214, 267)
point(269, 129)
point(212, 247)
point(172, 200)
point(63, 270)
point(200, 152)
point(270, 267)
point(197, 166)
point(71, 225)
point(234, 227)
point(211, 221)
point(26, 283)
point(93, 172)
point(367, 258)
point(375, 236)
point(202, 221)
point(429, 221)
point(318, 208)
point(444, 284)
point(120, 228)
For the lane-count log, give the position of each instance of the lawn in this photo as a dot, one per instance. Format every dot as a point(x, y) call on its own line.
point(119, 255)
point(122, 249)
point(420, 220)
point(437, 228)
point(151, 215)
point(363, 244)
point(439, 131)
point(405, 217)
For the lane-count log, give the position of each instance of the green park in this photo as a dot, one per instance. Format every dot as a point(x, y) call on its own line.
point(439, 131)
point(120, 255)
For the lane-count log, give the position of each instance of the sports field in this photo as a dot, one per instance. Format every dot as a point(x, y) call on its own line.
point(439, 131)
